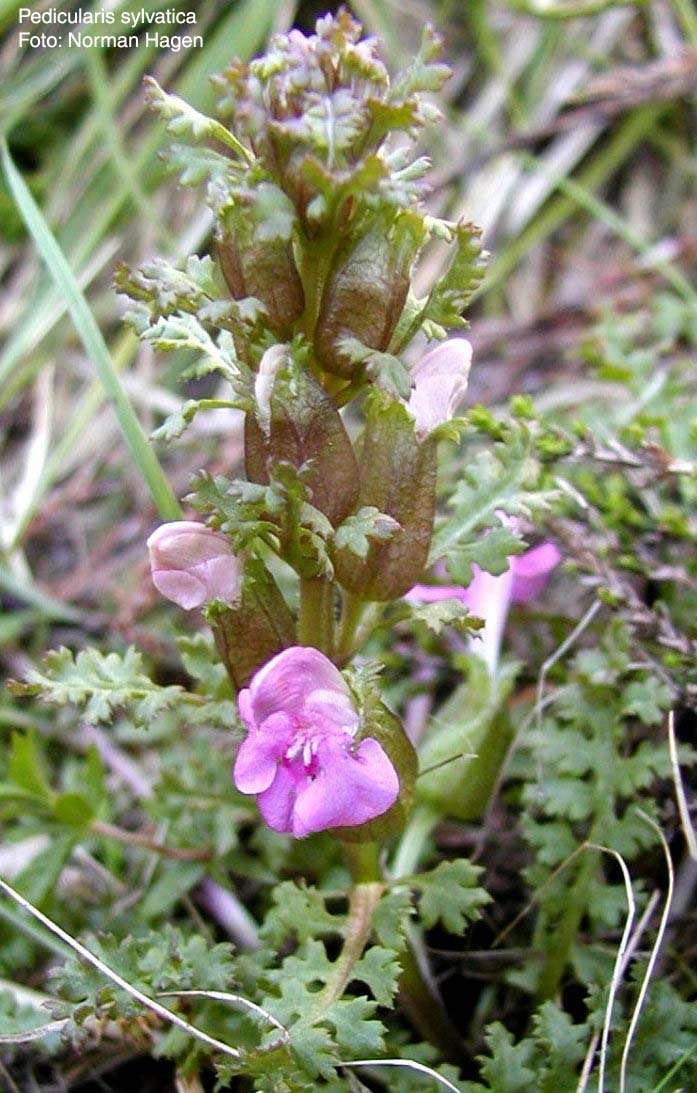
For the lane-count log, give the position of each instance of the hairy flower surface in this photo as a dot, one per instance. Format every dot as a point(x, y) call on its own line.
point(300, 756)
point(192, 565)
point(489, 597)
point(440, 382)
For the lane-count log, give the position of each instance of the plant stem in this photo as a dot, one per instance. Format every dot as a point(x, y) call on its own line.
point(138, 838)
point(414, 838)
point(350, 618)
point(362, 903)
point(363, 861)
point(421, 1003)
point(316, 619)
point(560, 942)
point(417, 993)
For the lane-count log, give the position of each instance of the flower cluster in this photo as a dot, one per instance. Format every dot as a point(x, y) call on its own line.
point(306, 306)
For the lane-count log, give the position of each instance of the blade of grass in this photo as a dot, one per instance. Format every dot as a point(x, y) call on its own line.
point(22, 590)
point(121, 162)
point(601, 211)
point(632, 132)
point(92, 340)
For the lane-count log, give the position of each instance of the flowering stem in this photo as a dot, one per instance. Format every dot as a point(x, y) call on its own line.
point(417, 994)
point(363, 901)
point(363, 861)
point(316, 620)
point(350, 618)
point(424, 1008)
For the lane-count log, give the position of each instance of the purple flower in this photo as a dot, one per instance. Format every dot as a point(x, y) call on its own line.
point(300, 757)
point(489, 597)
point(191, 564)
point(440, 383)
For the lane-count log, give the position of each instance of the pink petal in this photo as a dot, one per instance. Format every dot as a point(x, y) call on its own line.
point(434, 593)
point(221, 576)
point(276, 802)
point(531, 571)
point(349, 790)
point(489, 598)
point(289, 678)
point(192, 564)
point(260, 753)
point(332, 707)
point(184, 589)
point(244, 706)
point(440, 383)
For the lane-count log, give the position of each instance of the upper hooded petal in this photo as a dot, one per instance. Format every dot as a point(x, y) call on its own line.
point(191, 564)
point(288, 679)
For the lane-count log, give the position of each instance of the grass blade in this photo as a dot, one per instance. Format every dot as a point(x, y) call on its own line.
point(92, 340)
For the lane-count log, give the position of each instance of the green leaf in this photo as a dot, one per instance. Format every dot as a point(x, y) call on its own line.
point(184, 331)
point(380, 970)
point(185, 121)
point(100, 684)
point(73, 809)
point(508, 1069)
point(648, 699)
point(26, 766)
point(180, 419)
point(391, 917)
point(451, 292)
point(450, 894)
point(491, 552)
point(300, 912)
point(358, 529)
point(504, 477)
point(442, 614)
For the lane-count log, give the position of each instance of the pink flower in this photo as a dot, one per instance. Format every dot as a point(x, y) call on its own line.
point(191, 564)
point(299, 755)
point(440, 383)
point(489, 597)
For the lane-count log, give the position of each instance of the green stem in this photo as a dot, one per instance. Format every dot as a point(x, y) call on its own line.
point(350, 617)
point(413, 842)
point(316, 619)
point(419, 999)
point(363, 901)
point(417, 993)
point(363, 861)
point(559, 943)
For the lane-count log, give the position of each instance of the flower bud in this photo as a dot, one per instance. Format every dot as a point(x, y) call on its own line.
point(365, 293)
point(440, 382)
point(296, 422)
point(191, 564)
point(258, 627)
point(398, 477)
point(255, 252)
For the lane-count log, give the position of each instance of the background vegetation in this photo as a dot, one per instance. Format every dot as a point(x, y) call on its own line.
point(569, 135)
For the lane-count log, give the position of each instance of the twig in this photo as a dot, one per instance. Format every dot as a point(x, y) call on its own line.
point(139, 838)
